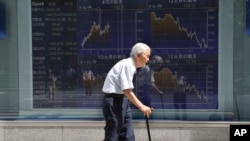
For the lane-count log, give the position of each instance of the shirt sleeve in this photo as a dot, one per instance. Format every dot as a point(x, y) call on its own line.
point(126, 78)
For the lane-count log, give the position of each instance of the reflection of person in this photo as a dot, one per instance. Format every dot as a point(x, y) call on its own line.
point(71, 77)
point(118, 87)
point(144, 82)
point(154, 85)
point(156, 64)
point(179, 95)
point(88, 77)
point(52, 84)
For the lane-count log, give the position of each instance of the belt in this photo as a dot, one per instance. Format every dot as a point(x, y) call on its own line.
point(114, 95)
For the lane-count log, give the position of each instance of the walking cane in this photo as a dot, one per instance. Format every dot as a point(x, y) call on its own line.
point(149, 136)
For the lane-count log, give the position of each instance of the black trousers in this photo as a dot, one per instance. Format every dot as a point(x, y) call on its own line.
point(118, 117)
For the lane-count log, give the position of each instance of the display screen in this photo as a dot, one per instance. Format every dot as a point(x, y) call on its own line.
point(2, 21)
point(76, 42)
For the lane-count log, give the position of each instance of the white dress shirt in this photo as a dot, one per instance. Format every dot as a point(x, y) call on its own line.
point(120, 77)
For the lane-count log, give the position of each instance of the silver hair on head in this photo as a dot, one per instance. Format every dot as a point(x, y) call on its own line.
point(139, 48)
point(156, 59)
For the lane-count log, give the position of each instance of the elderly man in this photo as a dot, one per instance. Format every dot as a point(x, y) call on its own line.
point(117, 88)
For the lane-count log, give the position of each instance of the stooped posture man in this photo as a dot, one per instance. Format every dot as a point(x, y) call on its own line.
point(118, 86)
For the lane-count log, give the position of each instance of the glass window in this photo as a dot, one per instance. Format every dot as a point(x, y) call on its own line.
point(55, 56)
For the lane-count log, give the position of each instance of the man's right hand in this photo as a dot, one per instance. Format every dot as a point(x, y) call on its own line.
point(146, 110)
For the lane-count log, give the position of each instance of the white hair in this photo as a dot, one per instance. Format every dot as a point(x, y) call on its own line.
point(139, 48)
point(156, 59)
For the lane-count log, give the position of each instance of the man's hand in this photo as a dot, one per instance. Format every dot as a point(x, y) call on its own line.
point(146, 110)
point(131, 96)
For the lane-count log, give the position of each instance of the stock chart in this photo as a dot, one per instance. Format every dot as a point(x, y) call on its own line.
point(184, 33)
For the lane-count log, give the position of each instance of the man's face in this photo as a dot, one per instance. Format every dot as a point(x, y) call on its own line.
point(144, 58)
